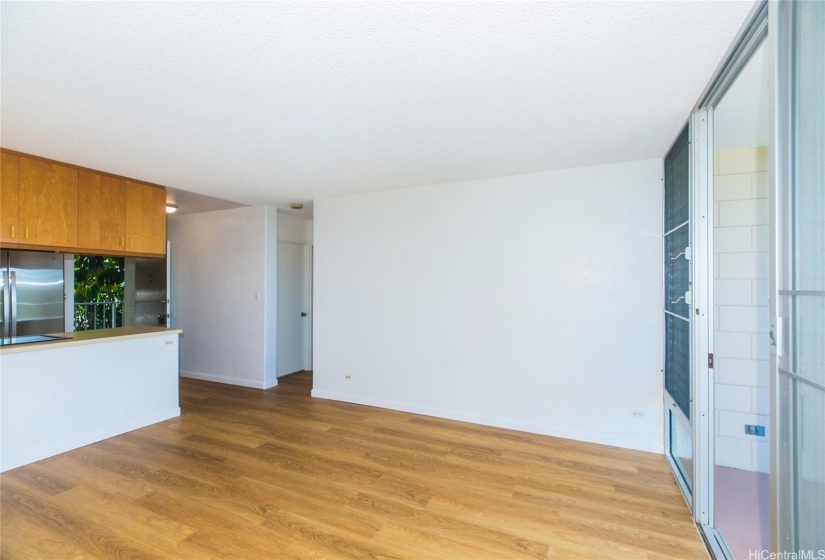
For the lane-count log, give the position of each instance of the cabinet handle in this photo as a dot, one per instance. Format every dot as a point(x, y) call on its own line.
point(27, 232)
point(132, 243)
point(123, 242)
point(12, 233)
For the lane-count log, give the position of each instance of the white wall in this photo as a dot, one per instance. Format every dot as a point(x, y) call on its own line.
point(294, 228)
point(270, 297)
point(530, 302)
point(224, 266)
point(741, 344)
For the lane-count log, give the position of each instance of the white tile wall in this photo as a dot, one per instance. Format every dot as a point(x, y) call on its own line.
point(760, 292)
point(733, 187)
point(734, 397)
point(741, 319)
point(733, 239)
point(734, 452)
point(743, 265)
point(733, 345)
point(761, 455)
point(760, 236)
point(760, 185)
point(743, 212)
point(733, 291)
point(760, 346)
point(743, 160)
point(761, 399)
point(735, 371)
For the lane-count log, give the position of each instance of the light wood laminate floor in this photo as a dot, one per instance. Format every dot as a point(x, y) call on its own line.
point(251, 474)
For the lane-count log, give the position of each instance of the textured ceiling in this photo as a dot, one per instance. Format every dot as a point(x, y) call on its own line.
point(277, 102)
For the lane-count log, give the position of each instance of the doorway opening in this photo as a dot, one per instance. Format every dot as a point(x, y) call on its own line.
point(294, 323)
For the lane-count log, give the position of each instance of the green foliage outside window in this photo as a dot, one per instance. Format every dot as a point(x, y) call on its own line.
point(98, 279)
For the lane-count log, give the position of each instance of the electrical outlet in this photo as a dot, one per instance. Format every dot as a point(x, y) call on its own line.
point(348, 377)
point(752, 430)
point(638, 414)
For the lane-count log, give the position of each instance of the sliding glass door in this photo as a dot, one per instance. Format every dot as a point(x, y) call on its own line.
point(744, 287)
point(739, 297)
point(798, 326)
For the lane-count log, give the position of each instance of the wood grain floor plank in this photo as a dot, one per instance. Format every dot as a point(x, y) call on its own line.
point(30, 541)
point(63, 525)
point(308, 530)
point(43, 478)
point(506, 544)
point(71, 469)
point(123, 517)
point(250, 474)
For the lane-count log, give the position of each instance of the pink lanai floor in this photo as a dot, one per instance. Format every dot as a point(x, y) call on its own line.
point(743, 510)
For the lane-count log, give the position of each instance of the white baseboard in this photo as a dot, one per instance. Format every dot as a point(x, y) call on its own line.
point(494, 422)
point(223, 379)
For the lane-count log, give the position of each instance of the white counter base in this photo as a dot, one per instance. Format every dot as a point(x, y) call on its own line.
point(63, 396)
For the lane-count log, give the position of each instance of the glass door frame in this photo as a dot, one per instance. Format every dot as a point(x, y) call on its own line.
point(702, 309)
point(701, 498)
point(700, 493)
point(753, 36)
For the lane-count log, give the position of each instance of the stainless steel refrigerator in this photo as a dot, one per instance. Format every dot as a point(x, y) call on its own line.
point(33, 301)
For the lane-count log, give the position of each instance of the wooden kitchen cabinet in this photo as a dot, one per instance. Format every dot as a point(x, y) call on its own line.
point(9, 177)
point(101, 215)
point(145, 219)
point(47, 203)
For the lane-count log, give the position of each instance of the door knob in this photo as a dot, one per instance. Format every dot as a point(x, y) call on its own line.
point(303, 313)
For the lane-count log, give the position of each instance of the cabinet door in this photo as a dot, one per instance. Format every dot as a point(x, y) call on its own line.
point(47, 204)
point(101, 212)
point(145, 219)
point(9, 176)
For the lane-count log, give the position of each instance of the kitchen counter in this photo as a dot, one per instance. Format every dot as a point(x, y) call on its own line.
point(59, 395)
point(88, 337)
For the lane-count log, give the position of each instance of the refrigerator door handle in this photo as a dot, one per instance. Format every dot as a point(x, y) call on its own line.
point(6, 306)
point(13, 306)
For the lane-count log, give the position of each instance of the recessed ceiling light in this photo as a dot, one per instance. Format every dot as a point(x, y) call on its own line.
point(296, 206)
point(171, 208)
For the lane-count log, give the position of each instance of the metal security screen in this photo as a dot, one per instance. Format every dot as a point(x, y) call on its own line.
point(677, 272)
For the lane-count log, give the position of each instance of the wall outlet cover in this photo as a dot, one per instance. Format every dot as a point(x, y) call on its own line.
point(753, 430)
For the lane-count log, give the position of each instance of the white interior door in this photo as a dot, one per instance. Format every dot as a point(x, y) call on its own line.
point(293, 308)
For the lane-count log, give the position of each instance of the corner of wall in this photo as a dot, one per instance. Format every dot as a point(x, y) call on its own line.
point(219, 274)
point(270, 297)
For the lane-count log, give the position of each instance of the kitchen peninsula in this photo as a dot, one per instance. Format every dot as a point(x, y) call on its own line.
point(62, 394)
